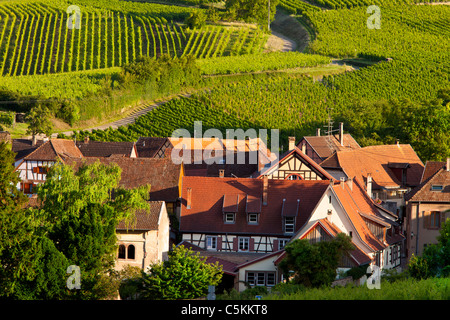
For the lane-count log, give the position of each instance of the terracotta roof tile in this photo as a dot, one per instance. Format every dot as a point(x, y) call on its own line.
point(54, 149)
point(424, 191)
point(376, 160)
point(206, 213)
point(322, 148)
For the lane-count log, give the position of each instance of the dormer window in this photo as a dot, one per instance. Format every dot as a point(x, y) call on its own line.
point(289, 211)
point(229, 217)
point(230, 207)
point(252, 218)
point(289, 224)
point(253, 209)
point(437, 187)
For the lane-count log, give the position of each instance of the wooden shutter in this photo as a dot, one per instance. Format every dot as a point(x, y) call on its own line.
point(219, 243)
point(276, 245)
point(251, 245)
point(426, 219)
point(235, 244)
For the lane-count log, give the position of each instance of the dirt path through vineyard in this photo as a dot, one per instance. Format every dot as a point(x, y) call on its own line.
point(287, 35)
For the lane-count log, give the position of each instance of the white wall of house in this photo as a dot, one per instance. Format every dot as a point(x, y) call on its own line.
point(262, 267)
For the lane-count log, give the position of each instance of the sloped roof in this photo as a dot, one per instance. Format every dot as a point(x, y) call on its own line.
point(144, 219)
point(322, 148)
point(23, 147)
point(431, 167)
point(105, 148)
point(375, 160)
point(355, 201)
point(424, 191)
point(162, 174)
point(306, 159)
point(54, 149)
point(356, 254)
point(148, 147)
point(206, 213)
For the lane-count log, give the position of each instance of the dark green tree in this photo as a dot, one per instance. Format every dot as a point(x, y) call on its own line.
point(38, 119)
point(185, 275)
point(30, 265)
point(315, 265)
point(252, 10)
point(81, 211)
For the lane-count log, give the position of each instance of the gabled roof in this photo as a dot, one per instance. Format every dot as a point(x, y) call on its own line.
point(375, 160)
point(148, 147)
point(424, 191)
point(145, 220)
point(431, 167)
point(332, 230)
point(23, 147)
point(358, 205)
point(322, 148)
point(296, 152)
point(162, 174)
point(105, 148)
point(55, 149)
point(207, 194)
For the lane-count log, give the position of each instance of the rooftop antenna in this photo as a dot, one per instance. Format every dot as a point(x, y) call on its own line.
point(330, 130)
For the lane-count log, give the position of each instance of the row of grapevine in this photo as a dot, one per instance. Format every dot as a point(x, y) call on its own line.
point(37, 41)
point(338, 4)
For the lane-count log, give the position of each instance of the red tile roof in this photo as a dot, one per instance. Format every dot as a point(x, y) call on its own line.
point(207, 200)
point(424, 191)
point(323, 149)
point(54, 149)
point(356, 204)
point(375, 160)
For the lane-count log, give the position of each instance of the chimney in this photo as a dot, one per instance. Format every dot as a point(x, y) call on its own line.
point(342, 182)
point(188, 198)
point(369, 185)
point(265, 190)
point(341, 133)
point(291, 143)
point(86, 139)
point(318, 132)
point(304, 147)
point(350, 183)
point(221, 173)
point(398, 142)
point(448, 164)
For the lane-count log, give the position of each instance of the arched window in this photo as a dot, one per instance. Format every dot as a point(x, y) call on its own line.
point(131, 251)
point(121, 251)
point(294, 176)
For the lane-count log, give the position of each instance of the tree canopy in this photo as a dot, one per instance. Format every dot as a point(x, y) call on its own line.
point(185, 275)
point(314, 265)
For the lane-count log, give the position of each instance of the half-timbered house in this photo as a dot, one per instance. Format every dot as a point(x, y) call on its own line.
point(294, 165)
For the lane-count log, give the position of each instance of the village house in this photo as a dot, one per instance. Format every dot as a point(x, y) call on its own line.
point(146, 239)
point(33, 167)
point(294, 165)
point(427, 207)
point(387, 172)
point(320, 147)
point(245, 223)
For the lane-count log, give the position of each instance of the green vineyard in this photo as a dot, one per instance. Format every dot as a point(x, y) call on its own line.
point(35, 39)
